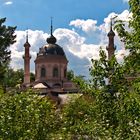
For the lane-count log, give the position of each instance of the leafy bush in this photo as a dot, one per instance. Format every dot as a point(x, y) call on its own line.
point(26, 116)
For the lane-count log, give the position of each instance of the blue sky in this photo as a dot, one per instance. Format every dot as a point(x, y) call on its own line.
point(35, 14)
point(80, 27)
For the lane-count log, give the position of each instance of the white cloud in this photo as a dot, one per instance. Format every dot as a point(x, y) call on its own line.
point(125, 15)
point(86, 25)
point(125, 0)
point(72, 42)
point(98, 33)
point(78, 51)
point(36, 40)
point(120, 54)
point(8, 3)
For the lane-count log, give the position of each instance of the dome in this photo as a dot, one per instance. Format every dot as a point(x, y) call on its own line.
point(51, 48)
point(54, 49)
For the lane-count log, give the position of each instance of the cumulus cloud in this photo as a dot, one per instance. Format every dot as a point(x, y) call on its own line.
point(36, 40)
point(8, 3)
point(88, 25)
point(77, 48)
point(124, 16)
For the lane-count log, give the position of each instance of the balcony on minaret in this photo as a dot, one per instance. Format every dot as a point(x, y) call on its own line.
point(26, 56)
point(111, 47)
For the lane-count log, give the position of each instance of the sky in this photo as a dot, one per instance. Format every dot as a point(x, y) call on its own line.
point(80, 26)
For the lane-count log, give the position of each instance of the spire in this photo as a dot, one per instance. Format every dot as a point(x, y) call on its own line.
point(111, 33)
point(51, 26)
point(111, 24)
point(27, 43)
point(27, 36)
point(51, 39)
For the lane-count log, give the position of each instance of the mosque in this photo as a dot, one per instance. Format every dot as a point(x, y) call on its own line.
point(51, 65)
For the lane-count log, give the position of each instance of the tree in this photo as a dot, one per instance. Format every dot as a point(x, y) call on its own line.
point(118, 103)
point(70, 74)
point(32, 77)
point(115, 110)
point(107, 74)
point(131, 38)
point(14, 78)
point(7, 37)
point(27, 116)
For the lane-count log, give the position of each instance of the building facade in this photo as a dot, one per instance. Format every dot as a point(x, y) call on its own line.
point(51, 64)
point(50, 67)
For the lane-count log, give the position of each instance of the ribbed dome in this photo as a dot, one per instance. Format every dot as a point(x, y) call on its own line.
point(54, 49)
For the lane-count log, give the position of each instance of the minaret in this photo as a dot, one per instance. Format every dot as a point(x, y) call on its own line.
point(111, 47)
point(27, 58)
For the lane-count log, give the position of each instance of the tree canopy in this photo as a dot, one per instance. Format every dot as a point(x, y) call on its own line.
point(7, 37)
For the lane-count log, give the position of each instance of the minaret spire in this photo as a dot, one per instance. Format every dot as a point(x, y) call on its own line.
point(27, 36)
point(111, 24)
point(51, 25)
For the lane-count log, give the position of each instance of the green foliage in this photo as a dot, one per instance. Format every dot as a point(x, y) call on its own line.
point(107, 72)
point(70, 74)
point(131, 38)
point(14, 78)
point(78, 119)
point(99, 70)
point(32, 77)
point(102, 116)
point(26, 116)
point(1, 90)
point(81, 83)
point(7, 38)
point(115, 108)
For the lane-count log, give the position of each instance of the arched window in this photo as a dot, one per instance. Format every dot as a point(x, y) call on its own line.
point(43, 72)
point(55, 72)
